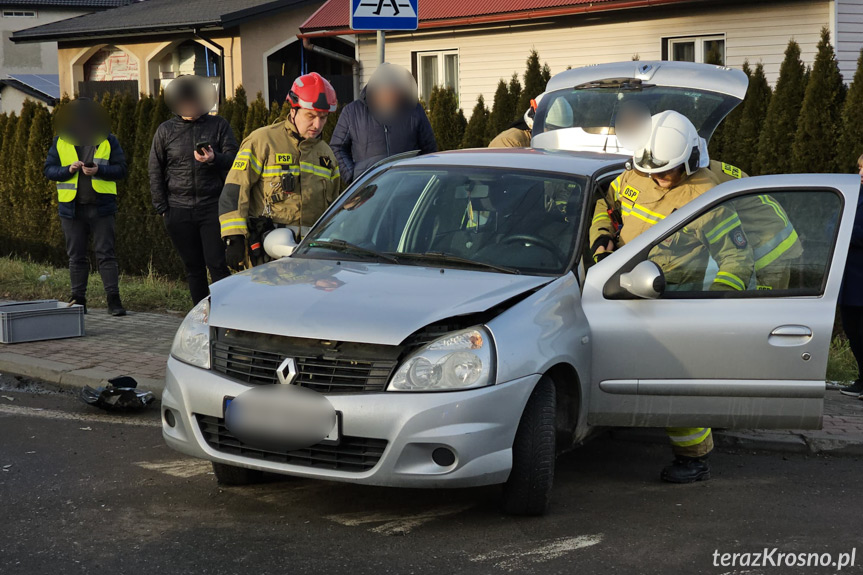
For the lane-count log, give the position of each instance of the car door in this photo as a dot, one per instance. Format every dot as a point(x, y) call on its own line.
point(748, 358)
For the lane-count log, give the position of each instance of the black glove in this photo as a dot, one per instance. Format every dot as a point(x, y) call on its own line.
point(235, 252)
point(601, 242)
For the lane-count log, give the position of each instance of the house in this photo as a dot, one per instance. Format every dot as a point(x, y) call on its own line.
point(17, 15)
point(141, 46)
point(16, 89)
point(470, 46)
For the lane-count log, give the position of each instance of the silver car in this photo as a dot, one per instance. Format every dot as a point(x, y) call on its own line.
point(441, 326)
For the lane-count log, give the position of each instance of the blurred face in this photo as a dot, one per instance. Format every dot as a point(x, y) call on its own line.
point(309, 123)
point(670, 179)
point(386, 99)
point(860, 171)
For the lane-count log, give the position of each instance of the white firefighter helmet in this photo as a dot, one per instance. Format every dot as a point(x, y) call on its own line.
point(531, 112)
point(673, 142)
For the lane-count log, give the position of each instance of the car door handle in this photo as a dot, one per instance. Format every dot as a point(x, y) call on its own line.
point(790, 335)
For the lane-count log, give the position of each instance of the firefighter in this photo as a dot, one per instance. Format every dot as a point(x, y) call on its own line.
point(775, 244)
point(283, 176)
point(519, 134)
point(670, 178)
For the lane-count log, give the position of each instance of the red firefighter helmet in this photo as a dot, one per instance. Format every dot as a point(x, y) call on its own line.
point(313, 92)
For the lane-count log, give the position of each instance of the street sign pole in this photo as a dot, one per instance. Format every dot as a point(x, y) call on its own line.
point(382, 41)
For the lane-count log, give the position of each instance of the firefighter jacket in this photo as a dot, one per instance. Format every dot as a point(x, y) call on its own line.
point(278, 176)
point(637, 203)
point(775, 243)
point(512, 138)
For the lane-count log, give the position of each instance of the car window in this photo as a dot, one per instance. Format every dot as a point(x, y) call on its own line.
point(525, 220)
point(754, 245)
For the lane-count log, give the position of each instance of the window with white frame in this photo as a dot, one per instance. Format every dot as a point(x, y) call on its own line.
point(437, 68)
point(702, 49)
point(19, 13)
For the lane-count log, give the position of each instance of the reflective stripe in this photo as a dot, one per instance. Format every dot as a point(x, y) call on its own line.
point(688, 436)
point(615, 185)
point(641, 213)
point(101, 161)
point(601, 217)
point(317, 170)
point(271, 171)
point(779, 247)
point(768, 201)
point(234, 224)
point(731, 280)
point(723, 228)
point(247, 154)
point(66, 186)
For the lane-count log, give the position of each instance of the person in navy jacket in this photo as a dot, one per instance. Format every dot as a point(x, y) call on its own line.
point(851, 296)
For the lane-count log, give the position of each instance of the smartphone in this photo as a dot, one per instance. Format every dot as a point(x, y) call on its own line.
point(201, 147)
point(90, 165)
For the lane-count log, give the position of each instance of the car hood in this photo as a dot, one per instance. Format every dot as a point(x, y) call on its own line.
point(578, 108)
point(354, 301)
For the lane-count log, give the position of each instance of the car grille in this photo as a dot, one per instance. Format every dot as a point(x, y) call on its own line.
point(354, 454)
point(319, 373)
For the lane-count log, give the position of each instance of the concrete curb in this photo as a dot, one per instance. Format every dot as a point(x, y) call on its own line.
point(800, 442)
point(68, 376)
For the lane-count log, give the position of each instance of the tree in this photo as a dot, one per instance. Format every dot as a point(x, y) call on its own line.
point(534, 85)
point(814, 148)
point(256, 116)
point(275, 110)
point(330, 126)
point(723, 144)
point(6, 228)
point(240, 108)
point(546, 76)
point(36, 218)
point(851, 134)
point(501, 112)
point(780, 125)
point(477, 127)
point(752, 119)
point(447, 119)
point(514, 89)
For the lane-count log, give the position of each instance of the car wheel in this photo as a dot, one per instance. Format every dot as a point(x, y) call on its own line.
point(231, 475)
point(533, 451)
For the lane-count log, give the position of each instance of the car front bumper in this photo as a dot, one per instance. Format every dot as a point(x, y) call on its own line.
point(477, 425)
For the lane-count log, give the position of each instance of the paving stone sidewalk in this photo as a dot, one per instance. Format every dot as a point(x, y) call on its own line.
point(139, 343)
point(136, 345)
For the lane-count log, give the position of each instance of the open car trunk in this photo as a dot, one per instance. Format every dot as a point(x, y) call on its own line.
point(579, 109)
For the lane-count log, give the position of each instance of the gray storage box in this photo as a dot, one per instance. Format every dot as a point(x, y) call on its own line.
point(39, 320)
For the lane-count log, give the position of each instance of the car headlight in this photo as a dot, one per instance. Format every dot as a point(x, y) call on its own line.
point(192, 342)
point(459, 360)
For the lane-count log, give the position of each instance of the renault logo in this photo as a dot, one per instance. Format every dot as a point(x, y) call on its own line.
point(287, 371)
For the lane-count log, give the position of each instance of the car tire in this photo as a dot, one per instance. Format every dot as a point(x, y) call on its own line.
point(527, 490)
point(232, 475)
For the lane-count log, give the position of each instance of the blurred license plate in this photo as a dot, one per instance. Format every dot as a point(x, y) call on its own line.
point(332, 437)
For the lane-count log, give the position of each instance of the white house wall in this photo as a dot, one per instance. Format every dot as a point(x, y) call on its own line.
point(759, 33)
point(849, 34)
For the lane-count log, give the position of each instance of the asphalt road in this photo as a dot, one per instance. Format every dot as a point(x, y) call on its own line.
point(86, 492)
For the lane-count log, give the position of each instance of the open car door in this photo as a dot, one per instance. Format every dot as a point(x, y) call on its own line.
point(684, 356)
point(580, 108)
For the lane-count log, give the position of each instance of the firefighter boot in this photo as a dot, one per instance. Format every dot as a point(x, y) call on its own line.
point(115, 306)
point(687, 470)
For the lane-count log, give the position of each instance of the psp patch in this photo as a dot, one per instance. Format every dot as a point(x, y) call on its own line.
point(240, 165)
point(284, 159)
point(630, 193)
point(738, 238)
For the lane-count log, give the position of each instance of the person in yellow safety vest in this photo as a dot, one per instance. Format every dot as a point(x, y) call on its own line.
point(284, 175)
point(775, 244)
point(669, 179)
point(86, 161)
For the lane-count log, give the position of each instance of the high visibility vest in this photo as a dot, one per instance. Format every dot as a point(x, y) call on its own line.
point(66, 191)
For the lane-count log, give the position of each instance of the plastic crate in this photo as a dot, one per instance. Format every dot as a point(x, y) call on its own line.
point(40, 320)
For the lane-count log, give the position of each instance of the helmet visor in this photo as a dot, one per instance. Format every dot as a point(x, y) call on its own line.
point(645, 159)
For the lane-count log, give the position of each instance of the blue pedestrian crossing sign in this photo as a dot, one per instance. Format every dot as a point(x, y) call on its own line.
point(384, 14)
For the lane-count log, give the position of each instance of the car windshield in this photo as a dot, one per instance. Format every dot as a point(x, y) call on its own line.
point(596, 107)
point(490, 219)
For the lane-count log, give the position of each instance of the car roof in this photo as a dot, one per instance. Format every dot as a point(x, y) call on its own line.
point(563, 161)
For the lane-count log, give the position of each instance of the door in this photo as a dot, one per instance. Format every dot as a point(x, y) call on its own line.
point(751, 356)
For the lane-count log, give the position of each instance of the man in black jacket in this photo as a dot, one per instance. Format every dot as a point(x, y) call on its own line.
point(86, 161)
point(386, 120)
point(189, 160)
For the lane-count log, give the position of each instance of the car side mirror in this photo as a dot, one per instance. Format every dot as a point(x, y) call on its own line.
point(646, 280)
point(280, 243)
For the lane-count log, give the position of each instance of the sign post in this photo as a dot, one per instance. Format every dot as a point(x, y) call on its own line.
point(383, 15)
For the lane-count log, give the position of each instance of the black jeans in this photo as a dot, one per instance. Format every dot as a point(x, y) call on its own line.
point(196, 234)
point(86, 223)
point(852, 323)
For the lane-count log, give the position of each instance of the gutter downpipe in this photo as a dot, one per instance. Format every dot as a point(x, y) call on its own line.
point(355, 65)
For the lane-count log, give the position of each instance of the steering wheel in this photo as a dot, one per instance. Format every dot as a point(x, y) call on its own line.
point(545, 244)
